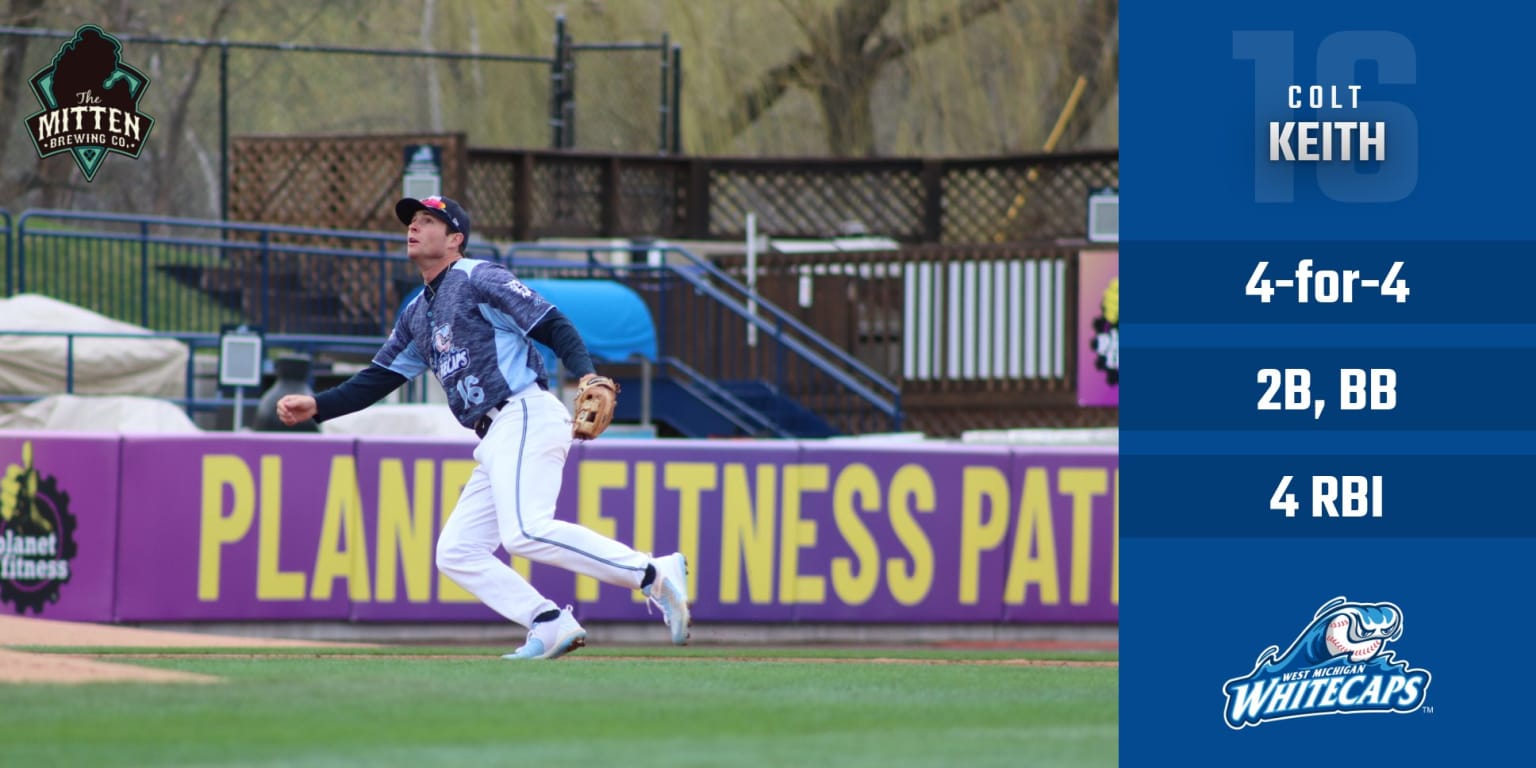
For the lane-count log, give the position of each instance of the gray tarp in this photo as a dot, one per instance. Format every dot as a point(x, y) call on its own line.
point(101, 413)
point(102, 366)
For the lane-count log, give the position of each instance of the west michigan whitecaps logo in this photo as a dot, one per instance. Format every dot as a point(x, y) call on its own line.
point(1338, 665)
point(447, 358)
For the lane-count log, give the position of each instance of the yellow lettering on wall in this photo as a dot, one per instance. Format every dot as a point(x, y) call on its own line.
point(455, 475)
point(855, 585)
point(746, 534)
point(594, 477)
point(799, 534)
point(405, 529)
point(1114, 560)
point(272, 583)
point(343, 522)
point(911, 484)
point(1082, 484)
point(645, 514)
point(981, 485)
point(1034, 531)
point(216, 529)
point(690, 479)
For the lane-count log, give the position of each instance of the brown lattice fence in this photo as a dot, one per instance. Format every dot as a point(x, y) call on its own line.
point(1018, 199)
point(817, 199)
point(350, 182)
point(332, 182)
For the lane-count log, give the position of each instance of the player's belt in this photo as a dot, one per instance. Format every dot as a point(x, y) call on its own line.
point(484, 424)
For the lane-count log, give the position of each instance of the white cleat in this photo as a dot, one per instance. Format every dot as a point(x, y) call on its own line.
point(552, 639)
point(669, 591)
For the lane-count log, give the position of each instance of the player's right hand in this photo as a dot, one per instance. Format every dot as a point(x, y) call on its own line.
point(292, 409)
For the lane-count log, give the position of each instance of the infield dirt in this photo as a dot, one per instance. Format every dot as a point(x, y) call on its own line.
point(21, 667)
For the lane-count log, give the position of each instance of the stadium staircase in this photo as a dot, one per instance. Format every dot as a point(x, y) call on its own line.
point(708, 383)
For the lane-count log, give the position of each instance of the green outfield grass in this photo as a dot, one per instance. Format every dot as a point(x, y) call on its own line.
point(781, 653)
point(618, 707)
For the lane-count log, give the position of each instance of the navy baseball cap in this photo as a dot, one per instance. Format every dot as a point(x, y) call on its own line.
point(449, 211)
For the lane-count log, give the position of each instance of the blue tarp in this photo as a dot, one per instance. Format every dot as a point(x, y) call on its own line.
point(612, 319)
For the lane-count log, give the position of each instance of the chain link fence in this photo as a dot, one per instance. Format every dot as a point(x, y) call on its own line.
point(202, 93)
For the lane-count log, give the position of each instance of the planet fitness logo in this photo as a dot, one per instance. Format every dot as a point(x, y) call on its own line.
point(1339, 664)
point(37, 536)
point(90, 101)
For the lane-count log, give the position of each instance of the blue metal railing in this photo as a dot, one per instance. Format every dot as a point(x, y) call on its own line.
point(5, 227)
point(159, 272)
point(188, 278)
point(744, 417)
point(193, 342)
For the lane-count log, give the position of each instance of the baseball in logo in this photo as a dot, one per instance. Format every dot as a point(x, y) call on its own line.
point(1339, 664)
point(37, 536)
point(90, 101)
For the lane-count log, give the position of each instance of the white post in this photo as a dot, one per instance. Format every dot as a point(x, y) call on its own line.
point(751, 279)
point(239, 408)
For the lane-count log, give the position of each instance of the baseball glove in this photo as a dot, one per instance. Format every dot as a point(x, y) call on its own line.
point(595, 401)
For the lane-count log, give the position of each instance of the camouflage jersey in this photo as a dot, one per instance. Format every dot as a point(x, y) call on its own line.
point(470, 330)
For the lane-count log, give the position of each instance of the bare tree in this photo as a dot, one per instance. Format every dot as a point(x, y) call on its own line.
point(1092, 53)
point(13, 51)
point(845, 54)
point(168, 164)
point(56, 183)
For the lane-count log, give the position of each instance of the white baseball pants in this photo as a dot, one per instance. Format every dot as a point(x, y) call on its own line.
point(510, 501)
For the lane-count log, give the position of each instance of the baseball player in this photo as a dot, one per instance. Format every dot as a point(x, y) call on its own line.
point(471, 326)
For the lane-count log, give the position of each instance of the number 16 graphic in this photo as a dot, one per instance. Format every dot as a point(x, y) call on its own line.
point(1339, 57)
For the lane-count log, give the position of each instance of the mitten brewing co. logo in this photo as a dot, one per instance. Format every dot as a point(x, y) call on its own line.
point(37, 536)
point(90, 101)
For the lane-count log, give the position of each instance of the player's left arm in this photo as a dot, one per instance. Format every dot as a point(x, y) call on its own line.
point(555, 331)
